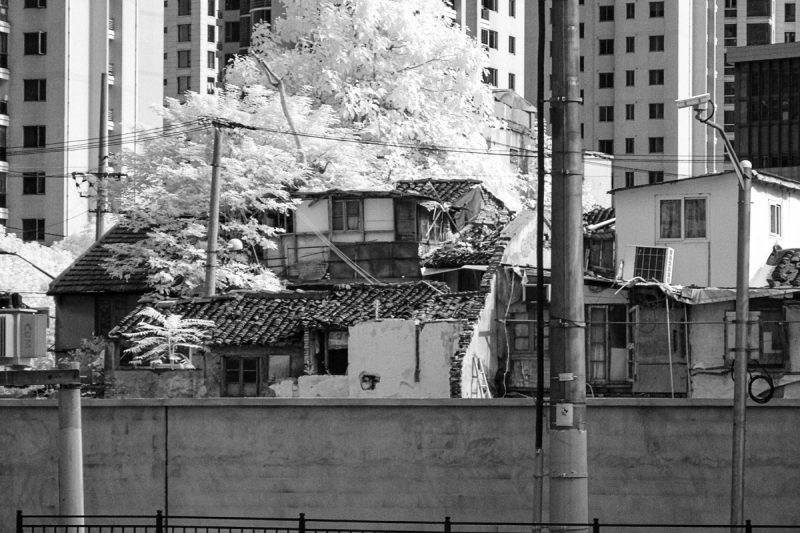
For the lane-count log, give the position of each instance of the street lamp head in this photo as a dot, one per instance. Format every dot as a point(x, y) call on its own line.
point(693, 101)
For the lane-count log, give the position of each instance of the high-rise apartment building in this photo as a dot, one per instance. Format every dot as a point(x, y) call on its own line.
point(202, 36)
point(52, 55)
point(637, 58)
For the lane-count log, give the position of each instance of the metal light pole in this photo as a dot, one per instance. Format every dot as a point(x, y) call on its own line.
point(744, 172)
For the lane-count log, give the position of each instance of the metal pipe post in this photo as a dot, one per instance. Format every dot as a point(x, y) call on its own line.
point(213, 218)
point(568, 457)
point(742, 351)
point(70, 454)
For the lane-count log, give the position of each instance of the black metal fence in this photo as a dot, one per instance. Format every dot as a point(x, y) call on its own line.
point(160, 523)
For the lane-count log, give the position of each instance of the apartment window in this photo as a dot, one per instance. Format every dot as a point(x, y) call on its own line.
point(211, 60)
point(657, 110)
point(211, 84)
point(730, 8)
point(35, 4)
point(629, 143)
point(656, 76)
point(184, 7)
point(512, 44)
point(231, 5)
point(606, 146)
point(33, 136)
point(606, 342)
point(630, 111)
point(629, 179)
point(775, 219)
point(630, 10)
point(184, 84)
point(730, 35)
point(490, 76)
point(33, 183)
point(35, 43)
point(3, 50)
point(212, 33)
point(512, 81)
point(580, 30)
point(35, 90)
point(489, 38)
point(682, 218)
point(630, 78)
point(606, 13)
point(347, 215)
point(580, 63)
point(758, 33)
point(3, 190)
point(512, 8)
point(606, 47)
point(606, 113)
point(655, 145)
point(630, 45)
point(32, 229)
point(489, 4)
point(212, 4)
point(788, 37)
point(232, 32)
point(656, 43)
point(759, 8)
point(655, 176)
point(184, 58)
point(657, 9)
point(789, 14)
point(184, 33)
point(606, 80)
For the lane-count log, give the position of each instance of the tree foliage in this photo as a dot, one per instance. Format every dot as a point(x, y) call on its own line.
point(159, 336)
point(348, 94)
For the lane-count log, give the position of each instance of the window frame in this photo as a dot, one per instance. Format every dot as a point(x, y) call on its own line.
point(184, 80)
point(227, 361)
point(656, 110)
point(34, 136)
point(655, 145)
point(33, 183)
point(605, 80)
point(184, 59)
point(630, 10)
point(656, 43)
point(184, 33)
point(606, 13)
point(630, 78)
point(344, 216)
point(655, 77)
point(35, 43)
point(775, 219)
point(184, 8)
point(38, 230)
point(630, 111)
point(657, 9)
point(605, 47)
point(605, 113)
point(34, 90)
point(682, 231)
point(605, 146)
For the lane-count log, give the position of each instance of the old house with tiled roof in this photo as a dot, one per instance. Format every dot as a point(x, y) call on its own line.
point(319, 342)
point(88, 300)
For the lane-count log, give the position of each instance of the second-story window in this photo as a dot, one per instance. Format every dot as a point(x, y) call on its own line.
point(682, 218)
point(346, 215)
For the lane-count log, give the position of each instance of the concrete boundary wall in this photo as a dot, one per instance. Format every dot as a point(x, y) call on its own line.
point(649, 460)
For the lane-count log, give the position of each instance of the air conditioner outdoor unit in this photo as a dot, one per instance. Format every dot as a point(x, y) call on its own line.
point(23, 336)
point(530, 294)
point(649, 263)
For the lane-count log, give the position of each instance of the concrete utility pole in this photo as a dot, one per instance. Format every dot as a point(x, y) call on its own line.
point(213, 217)
point(742, 352)
point(568, 462)
point(540, 293)
point(102, 160)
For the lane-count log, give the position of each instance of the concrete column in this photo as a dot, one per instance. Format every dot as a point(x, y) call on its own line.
point(793, 321)
point(70, 454)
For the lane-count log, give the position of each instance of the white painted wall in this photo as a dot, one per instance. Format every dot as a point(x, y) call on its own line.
point(711, 261)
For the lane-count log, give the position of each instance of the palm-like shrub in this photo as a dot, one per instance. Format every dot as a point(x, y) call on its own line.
point(158, 337)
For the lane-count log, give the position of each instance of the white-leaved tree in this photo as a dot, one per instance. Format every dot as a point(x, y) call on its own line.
point(347, 94)
point(159, 336)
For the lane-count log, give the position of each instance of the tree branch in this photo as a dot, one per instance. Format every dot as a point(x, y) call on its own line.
point(277, 82)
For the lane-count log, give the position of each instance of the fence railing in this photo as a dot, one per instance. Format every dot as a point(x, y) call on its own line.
point(161, 523)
